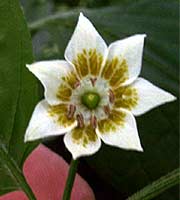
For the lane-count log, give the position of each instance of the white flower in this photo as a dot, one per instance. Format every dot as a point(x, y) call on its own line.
point(93, 95)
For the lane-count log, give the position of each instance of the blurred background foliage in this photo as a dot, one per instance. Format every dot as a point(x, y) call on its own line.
point(114, 173)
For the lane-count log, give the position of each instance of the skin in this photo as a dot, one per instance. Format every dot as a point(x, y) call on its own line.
point(46, 174)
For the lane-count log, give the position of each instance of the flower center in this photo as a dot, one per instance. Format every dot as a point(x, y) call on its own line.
point(90, 100)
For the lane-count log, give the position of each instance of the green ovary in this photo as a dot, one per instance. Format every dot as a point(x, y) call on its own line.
point(90, 100)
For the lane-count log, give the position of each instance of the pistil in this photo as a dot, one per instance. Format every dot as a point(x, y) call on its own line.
point(90, 100)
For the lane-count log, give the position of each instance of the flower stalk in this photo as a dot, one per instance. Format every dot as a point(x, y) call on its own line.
point(70, 179)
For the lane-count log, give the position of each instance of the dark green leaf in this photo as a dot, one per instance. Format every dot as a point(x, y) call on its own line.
point(18, 95)
point(35, 9)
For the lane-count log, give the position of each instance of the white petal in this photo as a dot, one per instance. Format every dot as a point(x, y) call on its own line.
point(78, 149)
point(125, 137)
point(50, 74)
point(86, 37)
point(130, 49)
point(149, 96)
point(42, 124)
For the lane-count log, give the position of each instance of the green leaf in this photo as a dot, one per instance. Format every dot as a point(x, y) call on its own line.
point(158, 186)
point(128, 171)
point(18, 96)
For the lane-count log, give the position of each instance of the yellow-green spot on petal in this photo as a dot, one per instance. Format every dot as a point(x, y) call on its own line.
point(116, 119)
point(126, 97)
point(71, 79)
point(84, 135)
point(64, 92)
point(106, 126)
point(60, 112)
point(109, 68)
point(116, 71)
point(81, 63)
point(77, 133)
point(96, 60)
point(88, 61)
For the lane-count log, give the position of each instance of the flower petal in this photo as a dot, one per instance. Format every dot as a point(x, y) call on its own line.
point(82, 142)
point(124, 60)
point(51, 74)
point(120, 130)
point(48, 120)
point(149, 96)
point(86, 48)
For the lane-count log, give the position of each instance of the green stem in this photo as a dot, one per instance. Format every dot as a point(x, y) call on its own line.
point(70, 179)
point(53, 19)
point(158, 186)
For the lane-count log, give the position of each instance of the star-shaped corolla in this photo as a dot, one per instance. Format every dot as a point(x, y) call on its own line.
point(94, 94)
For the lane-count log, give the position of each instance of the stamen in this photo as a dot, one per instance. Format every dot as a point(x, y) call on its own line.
point(93, 81)
point(107, 109)
point(71, 111)
point(80, 120)
point(93, 121)
point(77, 84)
point(111, 96)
